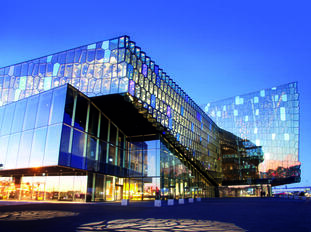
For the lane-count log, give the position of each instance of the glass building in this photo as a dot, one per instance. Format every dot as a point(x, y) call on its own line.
point(103, 122)
point(270, 119)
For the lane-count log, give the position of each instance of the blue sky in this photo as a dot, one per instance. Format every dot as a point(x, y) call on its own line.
point(213, 49)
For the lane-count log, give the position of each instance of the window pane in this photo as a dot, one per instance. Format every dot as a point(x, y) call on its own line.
point(2, 111)
point(102, 153)
point(112, 154)
point(91, 153)
point(69, 106)
point(52, 145)
point(77, 149)
point(31, 111)
point(25, 149)
point(65, 157)
point(44, 109)
point(4, 140)
point(58, 105)
point(38, 147)
point(103, 128)
point(19, 116)
point(8, 118)
point(81, 111)
point(93, 120)
point(113, 134)
point(12, 152)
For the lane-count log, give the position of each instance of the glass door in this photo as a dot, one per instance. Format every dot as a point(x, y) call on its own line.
point(118, 192)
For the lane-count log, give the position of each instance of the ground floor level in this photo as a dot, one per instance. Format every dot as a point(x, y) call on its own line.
point(99, 187)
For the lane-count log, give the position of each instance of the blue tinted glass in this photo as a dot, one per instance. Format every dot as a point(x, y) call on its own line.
point(131, 87)
point(12, 151)
point(77, 55)
point(35, 70)
point(69, 106)
point(130, 70)
point(44, 109)
point(100, 55)
point(31, 112)
point(91, 153)
point(52, 146)
point(24, 71)
point(62, 58)
point(99, 44)
point(81, 112)
point(54, 59)
point(77, 160)
point(38, 147)
point(153, 101)
point(2, 111)
point(83, 57)
point(90, 56)
point(113, 44)
point(65, 157)
point(144, 70)
point(58, 105)
point(102, 153)
point(25, 149)
point(107, 56)
point(17, 70)
point(18, 119)
point(7, 120)
point(42, 69)
point(4, 140)
point(70, 56)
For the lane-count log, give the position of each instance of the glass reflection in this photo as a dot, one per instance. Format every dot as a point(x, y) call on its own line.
point(31, 112)
point(38, 147)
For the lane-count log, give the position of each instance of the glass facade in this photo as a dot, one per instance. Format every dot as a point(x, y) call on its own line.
point(104, 163)
point(30, 130)
point(119, 66)
point(57, 141)
point(270, 119)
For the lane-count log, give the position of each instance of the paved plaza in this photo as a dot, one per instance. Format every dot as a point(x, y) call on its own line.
point(224, 214)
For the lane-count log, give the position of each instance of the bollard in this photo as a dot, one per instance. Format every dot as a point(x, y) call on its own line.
point(124, 202)
point(170, 202)
point(157, 203)
point(181, 201)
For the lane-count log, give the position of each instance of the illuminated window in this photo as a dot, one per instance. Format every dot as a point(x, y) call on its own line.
point(91, 46)
point(284, 97)
point(255, 130)
point(273, 136)
point(256, 100)
point(235, 112)
point(286, 137)
point(282, 113)
point(246, 118)
point(262, 93)
point(237, 100)
point(257, 112)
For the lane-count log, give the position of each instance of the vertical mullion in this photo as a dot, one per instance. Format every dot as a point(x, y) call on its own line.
point(97, 140)
point(108, 140)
